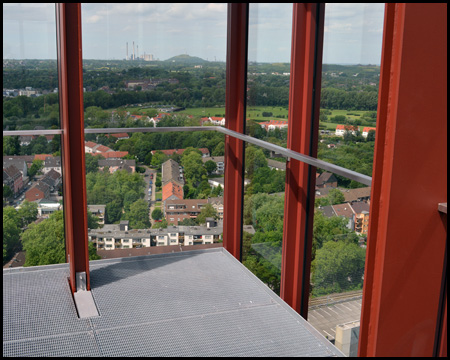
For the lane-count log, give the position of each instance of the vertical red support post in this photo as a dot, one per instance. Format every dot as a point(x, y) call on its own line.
point(402, 312)
point(304, 102)
point(70, 68)
point(236, 76)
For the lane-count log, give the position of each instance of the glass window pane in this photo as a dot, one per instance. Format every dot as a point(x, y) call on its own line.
point(269, 56)
point(143, 194)
point(32, 174)
point(348, 105)
point(154, 65)
point(263, 215)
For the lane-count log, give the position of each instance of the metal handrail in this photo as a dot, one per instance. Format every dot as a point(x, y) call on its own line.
point(349, 174)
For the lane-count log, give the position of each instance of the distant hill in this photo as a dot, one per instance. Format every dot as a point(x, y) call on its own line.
point(186, 59)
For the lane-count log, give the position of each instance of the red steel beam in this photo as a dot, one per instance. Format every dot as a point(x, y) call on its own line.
point(70, 69)
point(407, 235)
point(236, 75)
point(304, 103)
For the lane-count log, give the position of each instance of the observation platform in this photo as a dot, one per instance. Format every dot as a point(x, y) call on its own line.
point(193, 303)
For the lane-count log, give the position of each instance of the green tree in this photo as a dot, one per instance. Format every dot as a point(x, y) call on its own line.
point(28, 212)
point(219, 150)
point(44, 243)
point(210, 166)
point(158, 159)
point(91, 162)
point(7, 192)
point(336, 197)
point(254, 159)
point(93, 221)
point(157, 214)
point(338, 266)
point(193, 167)
point(138, 215)
point(11, 232)
point(207, 211)
point(160, 225)
point(11, 145)
point(35, 168)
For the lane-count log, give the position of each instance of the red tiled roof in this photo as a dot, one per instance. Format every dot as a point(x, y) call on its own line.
point(172, 188)
point(103, 148)
point(347, 127)
point(178, 151)
point(119, 135)
point(89, 144)
point(367, 129)
point(41, 156)
point(112, 154)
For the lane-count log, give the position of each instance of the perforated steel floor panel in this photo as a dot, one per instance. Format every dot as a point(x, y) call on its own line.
point(196, 303)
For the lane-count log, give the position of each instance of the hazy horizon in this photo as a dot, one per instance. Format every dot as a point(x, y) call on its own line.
point(353, 32)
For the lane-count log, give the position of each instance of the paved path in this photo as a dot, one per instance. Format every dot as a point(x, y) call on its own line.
point(325, 317)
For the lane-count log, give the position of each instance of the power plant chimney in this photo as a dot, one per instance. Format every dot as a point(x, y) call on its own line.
point(133, 52)
point(137, 51)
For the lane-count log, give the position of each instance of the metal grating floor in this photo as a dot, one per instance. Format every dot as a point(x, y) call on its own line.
point(195, 303)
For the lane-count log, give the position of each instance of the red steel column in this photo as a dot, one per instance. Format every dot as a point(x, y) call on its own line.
point(235, 117)
point(407, 234)
point(304, 103)
point(70, 68)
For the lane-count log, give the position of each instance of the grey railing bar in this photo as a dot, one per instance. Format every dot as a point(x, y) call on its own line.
point(32, 132)
point(349, 174)
point(149, 129)
point(442, 207)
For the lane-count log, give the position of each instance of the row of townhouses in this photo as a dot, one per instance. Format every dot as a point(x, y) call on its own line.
point(119, 236)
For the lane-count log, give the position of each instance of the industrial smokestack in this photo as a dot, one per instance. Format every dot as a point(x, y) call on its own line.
point(133, 52)
point(127, 52)
point(137, 51)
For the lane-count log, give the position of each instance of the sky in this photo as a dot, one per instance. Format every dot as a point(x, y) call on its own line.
point(353, 32)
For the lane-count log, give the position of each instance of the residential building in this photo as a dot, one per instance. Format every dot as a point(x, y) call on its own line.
point(171, 171)
point(204, 151)
point(47, 207)
point(172, 190)
point(119, 136)
point(39, 191)
point(361, 216)
point(99, 211)
point(341, 129)
point(112, 237)
point(116, 155)
point(366, 130)
point(358, 194)
point(274, 124)
point(176, 211)
point(217, 204)
point(52, 163)
point(114, 165)
point(53, 179)
point(214, 120)
point(277, 165)
point(22, 163)
point(13, 178)
point(326, 179)
point(220, 163)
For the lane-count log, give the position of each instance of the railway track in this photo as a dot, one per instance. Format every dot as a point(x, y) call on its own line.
point(334, 298)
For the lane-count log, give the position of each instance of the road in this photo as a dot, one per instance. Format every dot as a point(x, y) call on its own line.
point(151, 198)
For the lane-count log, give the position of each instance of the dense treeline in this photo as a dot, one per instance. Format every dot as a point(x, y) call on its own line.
point(122, 193)
point(188, 87)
